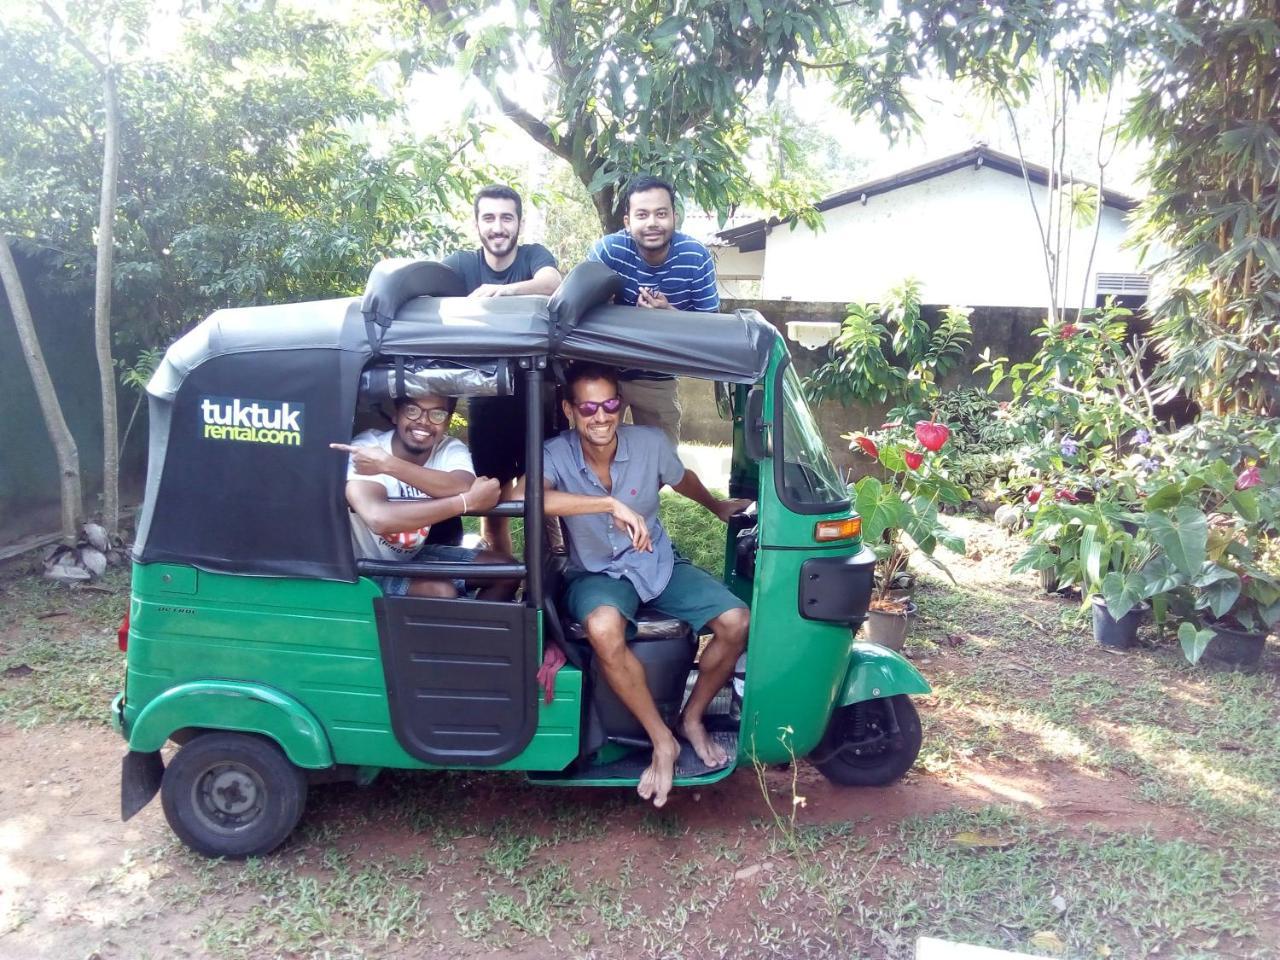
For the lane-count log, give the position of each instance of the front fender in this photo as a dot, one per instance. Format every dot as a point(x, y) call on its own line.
point(875, 672)
point(242, 707)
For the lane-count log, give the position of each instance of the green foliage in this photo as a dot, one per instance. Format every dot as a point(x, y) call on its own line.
point(1207, 105)
point(260, 163)
point(889, 352)
point(906, 503)
point(695, 532)
point(637, 88)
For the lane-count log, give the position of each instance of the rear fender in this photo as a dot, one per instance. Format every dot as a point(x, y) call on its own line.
point(875, 672)
point(241, 707)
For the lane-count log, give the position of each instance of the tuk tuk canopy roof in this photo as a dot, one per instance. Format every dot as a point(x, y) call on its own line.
point(577, 324)
point(240, 475)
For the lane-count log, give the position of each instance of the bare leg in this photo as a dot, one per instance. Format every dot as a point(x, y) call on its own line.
point(606, 630)
point(500, 590)
point(497, 530)
point(440, 589)
point(728, 639)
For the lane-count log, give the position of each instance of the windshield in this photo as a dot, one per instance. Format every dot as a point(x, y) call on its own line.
point(809, 482)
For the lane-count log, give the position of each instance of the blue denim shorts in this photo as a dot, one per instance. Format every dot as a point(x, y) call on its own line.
point(440, 552)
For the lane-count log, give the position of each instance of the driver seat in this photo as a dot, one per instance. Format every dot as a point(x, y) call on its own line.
point(665, 648)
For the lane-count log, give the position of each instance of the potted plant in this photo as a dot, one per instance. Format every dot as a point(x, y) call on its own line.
point(1214, 516)
point(900, 516)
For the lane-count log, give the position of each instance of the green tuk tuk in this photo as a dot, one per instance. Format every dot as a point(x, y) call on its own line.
point(257, 642)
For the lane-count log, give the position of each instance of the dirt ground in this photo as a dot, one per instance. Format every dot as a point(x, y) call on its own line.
point(76, 882)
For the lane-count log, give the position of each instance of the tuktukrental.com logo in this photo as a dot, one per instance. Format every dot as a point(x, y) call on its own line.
point(252, 421)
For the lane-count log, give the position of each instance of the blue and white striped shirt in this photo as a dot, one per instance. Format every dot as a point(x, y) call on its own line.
point(687, 277)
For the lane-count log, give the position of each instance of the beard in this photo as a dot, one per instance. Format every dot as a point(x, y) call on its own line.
point(499, 246)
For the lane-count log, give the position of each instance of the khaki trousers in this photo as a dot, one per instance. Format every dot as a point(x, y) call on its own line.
point(653, 403)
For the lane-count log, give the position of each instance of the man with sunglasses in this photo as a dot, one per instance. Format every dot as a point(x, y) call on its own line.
point(603, 478)
point(402, 481)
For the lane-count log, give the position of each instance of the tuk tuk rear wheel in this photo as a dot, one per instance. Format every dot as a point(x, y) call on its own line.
point(232, 795)
point(860, 749)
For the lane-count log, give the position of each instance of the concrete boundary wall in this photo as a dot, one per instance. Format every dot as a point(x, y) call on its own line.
point(1007, 331)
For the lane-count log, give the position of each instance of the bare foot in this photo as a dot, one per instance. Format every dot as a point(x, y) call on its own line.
point(655, 782)
point(708, 751)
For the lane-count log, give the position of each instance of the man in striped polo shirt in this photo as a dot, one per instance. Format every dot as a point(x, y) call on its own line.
point(661, 269)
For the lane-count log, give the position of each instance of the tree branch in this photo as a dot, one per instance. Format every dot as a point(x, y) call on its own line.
point(71, 37)
point(532, 125)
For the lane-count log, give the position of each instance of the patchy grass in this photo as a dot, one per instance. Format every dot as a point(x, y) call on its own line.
point(58, 655)
point(1071, 802)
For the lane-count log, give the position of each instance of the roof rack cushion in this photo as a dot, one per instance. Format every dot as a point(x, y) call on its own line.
point(393, 283)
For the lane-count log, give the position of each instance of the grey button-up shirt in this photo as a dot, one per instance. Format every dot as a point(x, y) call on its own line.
point(643, 462)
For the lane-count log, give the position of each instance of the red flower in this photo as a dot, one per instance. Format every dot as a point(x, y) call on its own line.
point(1033, 495)
point(932, 435)
point(1068, 331)
point(1248, 478)
point(913, 458)
point(868, 446)
point(1066, 495)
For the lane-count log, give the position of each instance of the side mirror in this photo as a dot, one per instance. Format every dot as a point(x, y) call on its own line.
point(724, 399)
point(754, 436)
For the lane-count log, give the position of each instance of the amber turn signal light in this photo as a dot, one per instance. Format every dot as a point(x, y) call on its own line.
point(824, 531)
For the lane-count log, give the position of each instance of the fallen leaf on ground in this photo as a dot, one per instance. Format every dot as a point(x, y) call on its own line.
point(1048, 940)
point(978, 841)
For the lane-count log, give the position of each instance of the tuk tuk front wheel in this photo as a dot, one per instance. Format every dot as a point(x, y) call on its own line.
point(871, 743)
point(232, 795)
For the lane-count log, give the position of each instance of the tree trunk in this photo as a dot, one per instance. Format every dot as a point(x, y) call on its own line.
point(605, 202)
point(64, 444)
point(102, 305)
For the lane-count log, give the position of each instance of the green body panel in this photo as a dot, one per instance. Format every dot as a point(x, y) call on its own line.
point(229, 705)
point(875, 672)
point(314, 641)
point(796, 668)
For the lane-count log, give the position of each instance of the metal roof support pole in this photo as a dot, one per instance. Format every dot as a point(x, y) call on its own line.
point(533, 369)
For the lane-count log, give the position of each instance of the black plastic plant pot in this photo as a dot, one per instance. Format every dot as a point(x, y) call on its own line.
point(1240, 649)
point(1112, 633)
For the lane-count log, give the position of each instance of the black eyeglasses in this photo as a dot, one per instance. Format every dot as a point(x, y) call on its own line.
point(436, 415)
point(588, 408)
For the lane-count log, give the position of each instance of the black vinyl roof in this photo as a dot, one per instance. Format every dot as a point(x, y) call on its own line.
point(395, 319)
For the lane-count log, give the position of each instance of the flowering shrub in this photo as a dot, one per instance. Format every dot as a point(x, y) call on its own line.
point(907, 502)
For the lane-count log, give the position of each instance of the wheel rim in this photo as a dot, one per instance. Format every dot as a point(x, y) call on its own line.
point(228, 796)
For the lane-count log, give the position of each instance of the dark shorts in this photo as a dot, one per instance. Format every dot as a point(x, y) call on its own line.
point(496, 434)
point(691, 595)
point(440, 552)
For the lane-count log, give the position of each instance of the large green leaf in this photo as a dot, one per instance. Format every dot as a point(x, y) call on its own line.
point(1122, 592)
point(1193, 641)
point(1218, 588)
point(1036, 557)
point(1183, 535)
point(1161, 576)
point(1170, 495)
point(879, 507)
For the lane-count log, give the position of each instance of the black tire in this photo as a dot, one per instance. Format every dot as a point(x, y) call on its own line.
point(858, 751)
point(232, 795)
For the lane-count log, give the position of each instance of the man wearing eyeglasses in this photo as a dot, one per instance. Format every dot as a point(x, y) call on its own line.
point(603, 478)
point(402, 481)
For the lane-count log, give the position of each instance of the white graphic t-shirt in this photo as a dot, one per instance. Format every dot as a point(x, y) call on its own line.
point(449, 454)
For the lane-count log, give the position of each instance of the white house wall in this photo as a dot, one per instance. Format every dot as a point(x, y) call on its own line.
point(738, 273)
point(969, 236)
